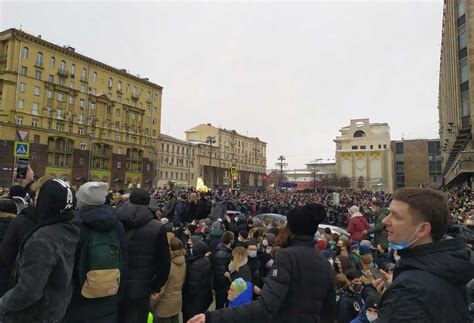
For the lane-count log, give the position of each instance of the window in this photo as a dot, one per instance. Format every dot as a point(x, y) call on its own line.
point(134, 93)
point(48, 110)
point(49, 94)
point(110, 83)
point(461, 8)
point(119, 164)
point(384, 146)
point(19, 121)
point(363, 147)
point(371, 146)
point(399, 148)
point(94, 76)
point(354, 147)
point(25, 53)
point(70, 99)
point(60, 97)
point(38, 75)
point(21, 104)
point(462, 40)
point(463, 71)
point(39, 59)
point(52, 62)
point(380, 146)
point(83, 88)
point(51, 79)
point(148, 167)
point(83, 146)
point(84, 74)
point(36, 91)
point(61, 81)
point(119, 86)
point(59, 127)
point(22, 87)
point(73, 70)
point(93, 105)
point(127, 88)
point(62, 66)
point(117, 136)
point(23, 70)
point(82, 103)
point(81, 118)
point(59, 113)
point(80, 131)
point(35, 108)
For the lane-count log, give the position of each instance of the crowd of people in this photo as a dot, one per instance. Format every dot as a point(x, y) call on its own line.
point(100, 256)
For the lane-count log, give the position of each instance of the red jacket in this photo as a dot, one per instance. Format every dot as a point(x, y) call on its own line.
point(357, 224)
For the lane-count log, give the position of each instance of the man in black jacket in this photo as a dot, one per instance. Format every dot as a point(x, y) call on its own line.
point(430, 278)
point(220, 263)
point(300, 286)
point(148, 257)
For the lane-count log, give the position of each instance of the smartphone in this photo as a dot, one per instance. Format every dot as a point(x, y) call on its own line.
point(22, 168)
point(378, 275)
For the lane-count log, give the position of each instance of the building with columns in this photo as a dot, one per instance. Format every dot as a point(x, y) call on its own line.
point(363, 155)
point(219, 149)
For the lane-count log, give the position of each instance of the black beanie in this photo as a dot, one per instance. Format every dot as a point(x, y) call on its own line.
point(304, 220)
point(140, 196)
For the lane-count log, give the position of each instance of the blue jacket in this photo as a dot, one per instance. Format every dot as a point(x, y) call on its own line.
point(244, 298)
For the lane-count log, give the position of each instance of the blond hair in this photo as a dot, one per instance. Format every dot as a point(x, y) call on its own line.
point(238, 257)
point(35, 187)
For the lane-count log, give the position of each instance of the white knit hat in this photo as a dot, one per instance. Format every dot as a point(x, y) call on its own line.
point(91, 193)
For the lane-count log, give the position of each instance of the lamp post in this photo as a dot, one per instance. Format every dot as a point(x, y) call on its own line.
point(210, 140)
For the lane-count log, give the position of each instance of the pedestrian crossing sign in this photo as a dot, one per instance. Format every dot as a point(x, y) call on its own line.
point(22, 149)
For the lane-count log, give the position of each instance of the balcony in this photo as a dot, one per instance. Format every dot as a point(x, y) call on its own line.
point(84, 79)
point(39, 64)
point(135, 96)
point(63, 73)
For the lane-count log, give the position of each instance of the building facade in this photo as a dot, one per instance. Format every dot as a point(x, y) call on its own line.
point(363, 155)
point(455, 100)
point(86, 120)
point(219, 149)
point(417, 163)
point(177, 164)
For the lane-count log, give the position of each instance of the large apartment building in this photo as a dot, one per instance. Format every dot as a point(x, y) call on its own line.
point(456, 100)
point(86, 120)
point(219, 149)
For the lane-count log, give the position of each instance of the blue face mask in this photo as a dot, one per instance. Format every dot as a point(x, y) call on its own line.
point(404, 244)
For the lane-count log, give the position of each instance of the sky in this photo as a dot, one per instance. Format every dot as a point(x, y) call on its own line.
point(290, 73)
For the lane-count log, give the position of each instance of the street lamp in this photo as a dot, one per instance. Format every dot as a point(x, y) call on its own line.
point(210, 140)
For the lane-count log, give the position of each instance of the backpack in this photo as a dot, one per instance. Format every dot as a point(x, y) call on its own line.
point(100, 263)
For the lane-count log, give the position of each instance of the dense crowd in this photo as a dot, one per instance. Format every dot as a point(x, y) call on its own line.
point(100, 256)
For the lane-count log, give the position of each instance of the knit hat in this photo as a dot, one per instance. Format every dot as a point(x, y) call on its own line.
point(304, 220)
point(364, 250)
point(140, 196)
point(322, 244)
point(91, 193)
point(354, 209)
point(239, 286)
point(244, 234)
point(367, 243)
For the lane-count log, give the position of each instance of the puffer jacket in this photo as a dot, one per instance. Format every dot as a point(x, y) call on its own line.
point(357, 224)
point(171, 298)
point(220, 262)
point(148, 251)
point(7, 214)
point(429, 284)
point(299, 288)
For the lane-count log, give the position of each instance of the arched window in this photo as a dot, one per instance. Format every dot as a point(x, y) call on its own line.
point(134, 91)
point(359, 134)
point(52, 62)
point(62, 66)
point(73, 69)
point(119, 86)
point(84, 74)
point(94, 76)
point(39, 59)
point(127, 89)
point(25, 53)
point(110, 83)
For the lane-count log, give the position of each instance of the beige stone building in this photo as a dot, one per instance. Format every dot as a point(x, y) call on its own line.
point(455, 99)
point(417, 163)
point(219, 149)
point(177, 164)
point(363, 155)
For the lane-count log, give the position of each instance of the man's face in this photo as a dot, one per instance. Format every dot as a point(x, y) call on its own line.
point(252, 248)
point(399, 223)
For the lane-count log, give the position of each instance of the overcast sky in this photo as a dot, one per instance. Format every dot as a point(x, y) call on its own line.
point(289, 73)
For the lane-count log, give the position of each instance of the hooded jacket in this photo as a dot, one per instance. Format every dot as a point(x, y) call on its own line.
point(148, 251)
point(171, 299)
point(429, 284)
point(197, 293)
point(45, 262)
point(357, 224)
point(99, 218)
point(220, 262)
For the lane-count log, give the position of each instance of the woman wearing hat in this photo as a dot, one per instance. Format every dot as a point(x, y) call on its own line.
point(300, 284)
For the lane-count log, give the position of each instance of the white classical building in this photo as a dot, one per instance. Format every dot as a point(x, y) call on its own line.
point(363, 155)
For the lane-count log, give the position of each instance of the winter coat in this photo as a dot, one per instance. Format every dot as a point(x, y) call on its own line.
point(243, 272)
point(380, 237)
point(349, 305)
point(217, 212)
point(81, 310)
point(203, 209)
point(191, 213)
point(7, 214)
point(16, 229)
point(180, 212)
point(299, 289)
point(429, 284)
point(148, 251)
point(357, 224)
point(44, 275)
point(171, 299)
point(220, 262)
point(197, 293)
point(254, 266)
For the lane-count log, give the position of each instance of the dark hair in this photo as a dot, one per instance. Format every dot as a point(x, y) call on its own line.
point(352, 274)
point(227, 237)
point(250, 242)
point(327, 230)
point(426, 204)
point(335, 237)
point(345, 264)
point(176, 244)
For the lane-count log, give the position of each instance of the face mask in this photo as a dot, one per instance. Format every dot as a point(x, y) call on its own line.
point(331, 261)
point(252, 254)
point(397, 258)
point(270, 263)
point(404, 244)
point(236, 219)
point(371, 317)
point(357, 288)
point(265, 243)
